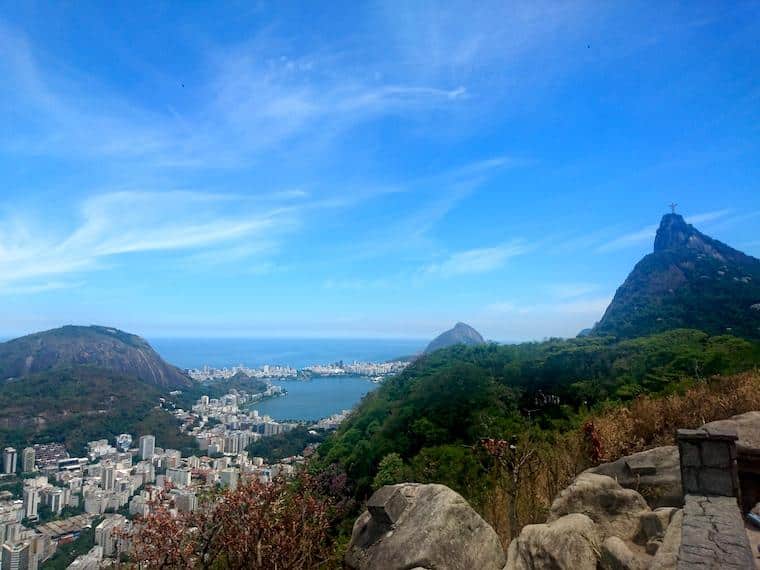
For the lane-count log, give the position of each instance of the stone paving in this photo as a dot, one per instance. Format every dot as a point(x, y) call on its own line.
point(713, 535)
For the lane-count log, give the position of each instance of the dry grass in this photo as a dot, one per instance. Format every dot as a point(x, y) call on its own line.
point(524, 489)
point(649, 422)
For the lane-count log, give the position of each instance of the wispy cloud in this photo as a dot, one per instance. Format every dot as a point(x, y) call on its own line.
point(594, 307)
point(39, 287)
point(118, 223)
point(435, 196)
point(247, 100)
point(571, 290)
point(479, 260)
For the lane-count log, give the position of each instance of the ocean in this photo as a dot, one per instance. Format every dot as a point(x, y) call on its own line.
point(254, 352)
point(309, 400)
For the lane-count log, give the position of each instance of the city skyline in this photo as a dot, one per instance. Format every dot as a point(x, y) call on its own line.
point(362, 170)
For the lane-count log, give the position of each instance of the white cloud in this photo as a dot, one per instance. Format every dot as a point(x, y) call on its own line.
point(247, 100)
point(480, 260)
point(118, 223)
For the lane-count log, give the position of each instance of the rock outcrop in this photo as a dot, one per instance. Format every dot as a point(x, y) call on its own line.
point(571, 542)
point(617, 555)
point(667, 555)
point(747, 427)
point(654, 473)
point(422, 526)
point(460, 334)
point(614, 510)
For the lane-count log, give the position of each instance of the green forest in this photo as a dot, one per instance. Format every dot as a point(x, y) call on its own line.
point(80, 404)
point(422, 424)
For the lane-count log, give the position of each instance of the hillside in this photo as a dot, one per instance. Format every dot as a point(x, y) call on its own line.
point(460, 334)
point(689, 281)
point(79, 404)
point(121, 353)
point(433, 413)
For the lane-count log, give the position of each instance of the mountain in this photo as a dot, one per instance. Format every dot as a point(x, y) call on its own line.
point(460, 334)
point(690, 280)
point(80, 404)
point(108, 349)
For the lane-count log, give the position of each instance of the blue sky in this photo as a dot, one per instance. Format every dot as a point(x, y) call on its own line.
point(362, 169)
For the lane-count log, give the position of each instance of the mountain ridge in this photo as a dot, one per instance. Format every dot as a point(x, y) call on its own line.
point(106, 348)
point(690, 280)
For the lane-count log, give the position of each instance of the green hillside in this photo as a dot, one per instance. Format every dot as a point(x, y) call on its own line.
point(431, 414)
point(80, 404)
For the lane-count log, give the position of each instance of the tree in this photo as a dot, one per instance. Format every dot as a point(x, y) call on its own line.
point(390, 471)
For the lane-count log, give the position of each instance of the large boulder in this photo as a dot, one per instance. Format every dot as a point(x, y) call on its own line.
point(428, 526)
point(616, 555)
point(654, 473)
point(614, 510)
point(569, 543)
point(747, 427)
point(667, 555)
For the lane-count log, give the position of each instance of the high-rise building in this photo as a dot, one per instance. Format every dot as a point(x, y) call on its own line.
point(108, 536)
point(15, 556)
point(10, 457)
point(27, 460)
point(107, 477)
point(147, 446)
point(55, 500)
point(31, 502)
point(229, 478)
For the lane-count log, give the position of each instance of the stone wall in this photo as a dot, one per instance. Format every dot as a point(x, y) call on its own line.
point(708, 461)
point(713, 534)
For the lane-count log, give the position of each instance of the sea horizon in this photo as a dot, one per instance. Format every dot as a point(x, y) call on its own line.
point(219, 352)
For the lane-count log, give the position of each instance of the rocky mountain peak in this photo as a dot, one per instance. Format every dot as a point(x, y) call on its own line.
point(689, 281)
point(674, 233)
point(462, 333)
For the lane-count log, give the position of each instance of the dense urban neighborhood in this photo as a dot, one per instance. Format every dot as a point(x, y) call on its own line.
point(51, 499)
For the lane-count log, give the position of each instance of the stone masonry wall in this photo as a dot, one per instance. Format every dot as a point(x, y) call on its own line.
point(713, 535)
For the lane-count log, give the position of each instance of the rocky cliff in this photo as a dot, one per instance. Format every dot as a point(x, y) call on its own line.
point(690, 280)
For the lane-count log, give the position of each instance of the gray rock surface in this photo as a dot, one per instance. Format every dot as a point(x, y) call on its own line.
point(460, 334)
point(428, 526)
point(747, 427)
point(614, 510)
point(654, 473)
point(654, 524)
point(568, 543)
point(713, 535)
point(667, 555)
point(616, 555)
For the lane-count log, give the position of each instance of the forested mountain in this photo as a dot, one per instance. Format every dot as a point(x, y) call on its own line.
point(432, 413)
point(79, 404)
point(460, 334)
point(108, 349)
point(75, 384)
point(689, 281)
